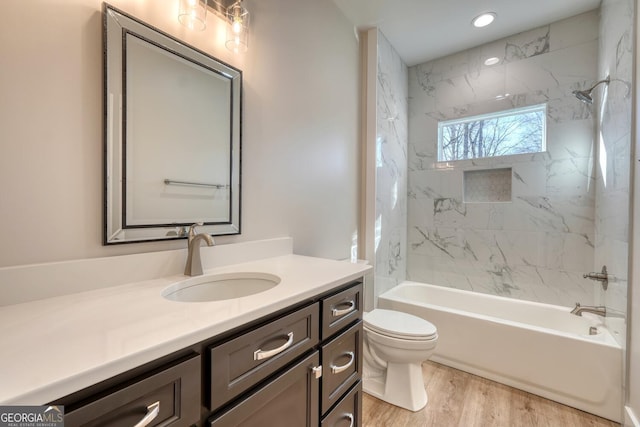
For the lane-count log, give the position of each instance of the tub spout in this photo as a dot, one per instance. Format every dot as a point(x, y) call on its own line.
point(599, 310)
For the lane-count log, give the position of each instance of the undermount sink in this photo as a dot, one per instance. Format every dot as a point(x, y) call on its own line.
point(220, 287)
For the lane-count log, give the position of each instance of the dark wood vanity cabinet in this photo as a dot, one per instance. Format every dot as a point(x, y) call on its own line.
point(169, 396)
point(322, 389)
point(299, 367)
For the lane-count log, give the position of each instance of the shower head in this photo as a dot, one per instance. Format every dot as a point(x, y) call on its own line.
point(585, 95)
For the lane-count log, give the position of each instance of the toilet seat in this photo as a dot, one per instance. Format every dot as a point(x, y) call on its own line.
point(399, 325)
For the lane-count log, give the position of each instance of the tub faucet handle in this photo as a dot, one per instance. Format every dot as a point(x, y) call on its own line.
point(576, 309)
point(192, 230)
point(602, 277)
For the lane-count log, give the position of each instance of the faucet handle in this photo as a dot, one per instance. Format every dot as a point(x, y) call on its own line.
point(576, 309)
point(192, 229)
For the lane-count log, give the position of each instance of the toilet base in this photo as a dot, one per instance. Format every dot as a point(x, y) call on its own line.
point(402, 385)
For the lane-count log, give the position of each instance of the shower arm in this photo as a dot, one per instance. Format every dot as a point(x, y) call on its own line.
point(607, 81)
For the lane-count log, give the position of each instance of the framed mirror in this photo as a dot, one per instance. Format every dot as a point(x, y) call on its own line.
point(172, 135)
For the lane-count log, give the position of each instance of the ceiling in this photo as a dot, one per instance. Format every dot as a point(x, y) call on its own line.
point(421, 30)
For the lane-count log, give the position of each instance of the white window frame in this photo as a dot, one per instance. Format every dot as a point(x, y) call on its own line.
point(489, 116)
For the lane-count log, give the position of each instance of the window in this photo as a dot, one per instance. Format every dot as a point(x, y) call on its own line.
point(517, 131)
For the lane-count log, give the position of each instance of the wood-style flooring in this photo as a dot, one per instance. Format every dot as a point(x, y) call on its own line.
point(459, 399)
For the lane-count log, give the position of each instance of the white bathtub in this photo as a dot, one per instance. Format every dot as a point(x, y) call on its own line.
point(539, 348)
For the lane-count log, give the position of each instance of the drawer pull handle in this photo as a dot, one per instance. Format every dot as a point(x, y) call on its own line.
point(337, 313)
point(152, 412)
point(260, 354)
point(350, 418)
point(337, 369)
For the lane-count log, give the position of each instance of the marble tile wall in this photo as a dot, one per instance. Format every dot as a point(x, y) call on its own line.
point(537, 246)
point(391, 168)
point(613, 159)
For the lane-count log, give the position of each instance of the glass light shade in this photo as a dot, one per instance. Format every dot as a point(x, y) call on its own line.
point(193, 14)
point(237, 39)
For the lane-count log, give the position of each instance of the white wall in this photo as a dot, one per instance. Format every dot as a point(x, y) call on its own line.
point(300, 152)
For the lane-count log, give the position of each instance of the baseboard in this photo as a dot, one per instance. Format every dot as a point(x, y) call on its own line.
point(630, 418)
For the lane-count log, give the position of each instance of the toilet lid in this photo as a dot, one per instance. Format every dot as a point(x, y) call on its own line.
point(397, 324)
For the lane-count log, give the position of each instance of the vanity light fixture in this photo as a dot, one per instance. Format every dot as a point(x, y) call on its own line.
point(193, 14)
point(238, 28)
point(484, 19)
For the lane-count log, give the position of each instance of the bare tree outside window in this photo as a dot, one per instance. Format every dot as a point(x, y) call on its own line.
point(508, 132)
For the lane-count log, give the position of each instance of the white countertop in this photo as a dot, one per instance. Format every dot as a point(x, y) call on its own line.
point(52, 347)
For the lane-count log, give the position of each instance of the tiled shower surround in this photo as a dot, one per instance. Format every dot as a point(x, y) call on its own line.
point(391, 168)
point(538, 245)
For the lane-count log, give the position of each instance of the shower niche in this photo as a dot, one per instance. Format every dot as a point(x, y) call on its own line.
point(487, 186)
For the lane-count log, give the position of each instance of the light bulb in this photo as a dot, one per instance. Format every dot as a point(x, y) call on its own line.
point(237, 26)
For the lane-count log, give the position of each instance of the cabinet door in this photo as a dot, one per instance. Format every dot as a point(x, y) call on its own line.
point(341, 365)
point(167, 397)
point(290, 400)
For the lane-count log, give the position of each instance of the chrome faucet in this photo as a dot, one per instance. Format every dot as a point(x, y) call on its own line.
point(599, 310)
point(194, 263)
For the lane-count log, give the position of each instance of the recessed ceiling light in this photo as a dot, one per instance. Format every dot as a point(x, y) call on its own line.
point(492, 61)
point(484, 19)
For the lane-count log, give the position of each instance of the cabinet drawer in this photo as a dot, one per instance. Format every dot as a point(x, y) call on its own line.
point(341, 365)
point(172, 393)
point(289, 400)
point(240, 363)
point(340, 310)
point(348, 412)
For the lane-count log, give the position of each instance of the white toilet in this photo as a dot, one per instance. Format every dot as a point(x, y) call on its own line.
point(395, 345)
